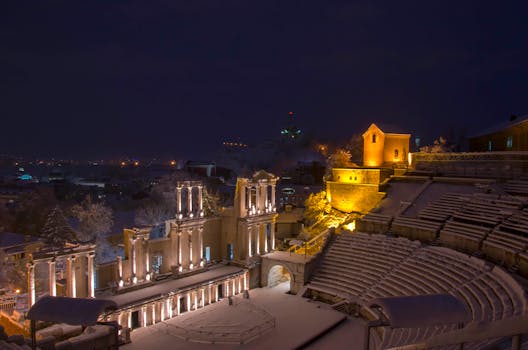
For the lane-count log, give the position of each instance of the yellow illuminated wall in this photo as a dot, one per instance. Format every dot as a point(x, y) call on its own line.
point(373, 144)
point(396, 148)
point(384, 149)
point(356, 189)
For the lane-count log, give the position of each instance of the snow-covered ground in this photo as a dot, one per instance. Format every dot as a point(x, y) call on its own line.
point(296, 321)
point(434, 191)
point(398, 191)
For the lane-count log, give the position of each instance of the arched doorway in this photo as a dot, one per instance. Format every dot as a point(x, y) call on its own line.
point(279, 277)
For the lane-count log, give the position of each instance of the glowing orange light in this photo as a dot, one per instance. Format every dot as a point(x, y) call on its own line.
point(136, 163)
point(17, 291)
point(173, 162)
point(123, 163)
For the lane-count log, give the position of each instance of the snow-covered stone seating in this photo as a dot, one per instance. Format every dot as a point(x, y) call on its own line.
point(462, 236)
point(374, 223)
point(93, 337)
point(358, 267)
point(523, 263)
point(517, 187)
point(442, 208)
point(504, 246)
point(476, 218)
point(423, 230)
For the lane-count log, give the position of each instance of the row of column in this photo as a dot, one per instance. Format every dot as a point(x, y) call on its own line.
point(263, 204)
point(140, 265)
point(191, 211)
point(192, 300)
point(255, 235)
point(182, 265)
point(71, 279)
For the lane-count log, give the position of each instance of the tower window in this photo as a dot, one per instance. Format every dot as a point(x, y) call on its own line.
point(509, 142)
point(373, 138)
point(490, 146)
point(395, 153)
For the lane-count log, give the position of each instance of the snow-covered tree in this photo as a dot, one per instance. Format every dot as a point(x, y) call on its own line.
point(56, 230)
point(316, 206)
point(441, 145)
point(338, 159)
point(211, 203)
point(95, 219)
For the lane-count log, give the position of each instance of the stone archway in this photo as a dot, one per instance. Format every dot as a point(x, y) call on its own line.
point(279, 275)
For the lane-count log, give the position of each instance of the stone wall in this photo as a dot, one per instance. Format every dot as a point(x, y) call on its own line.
point(353, 197)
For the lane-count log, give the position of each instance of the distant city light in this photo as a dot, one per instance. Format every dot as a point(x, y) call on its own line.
point(172, 162)
point(136, 163)
point(123, 163)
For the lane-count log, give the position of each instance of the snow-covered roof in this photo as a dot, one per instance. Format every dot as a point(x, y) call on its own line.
point(387, 129)
point(10, 239)
point(74, 311)
point(422, 310)
point(501, 126)
point(163, 288)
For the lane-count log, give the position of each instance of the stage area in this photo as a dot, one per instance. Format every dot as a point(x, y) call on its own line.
point(269, 319)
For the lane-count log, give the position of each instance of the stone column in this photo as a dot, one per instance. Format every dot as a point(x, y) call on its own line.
point(202, 296)
point(200, 201)
point(266, 238)
point(153, 313)
point(272, 236)
point(200, 245)
point(147, 260)
point(257, 240)
point(168, 306)
point(129, 319)
point(52, 278)
point(189, 204)
point(32, 296)
point(188, 301)
point(178, 306)
point(91, 275)
point(273, 206)
point(196, 302)
point(266, 199)
point(215, 286)
point(191, 265)
point(120, 271)
point(179, 202)
point(245, 281)
point(72, 286)
point(209, 293)
point(250, 253)
point(134, 266)
point(257, 197)
point(233, 286)
point(144, 313)
point(243, 209)
point(180, 266)
point(249, 200)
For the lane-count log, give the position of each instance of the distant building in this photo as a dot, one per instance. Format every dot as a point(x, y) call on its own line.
point(201, 168)
point(383, 148)
point(16, 246)
point(508, 136)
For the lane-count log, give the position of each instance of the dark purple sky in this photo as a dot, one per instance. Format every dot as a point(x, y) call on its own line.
point(178, 77)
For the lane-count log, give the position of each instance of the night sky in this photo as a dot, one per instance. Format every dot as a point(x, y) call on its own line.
point(179, 77)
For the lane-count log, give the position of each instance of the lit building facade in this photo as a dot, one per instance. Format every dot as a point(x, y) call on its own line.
point(384, 149)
